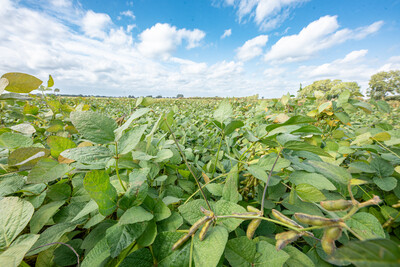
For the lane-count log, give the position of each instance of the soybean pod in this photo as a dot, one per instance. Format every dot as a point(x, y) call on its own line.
point(192, 230)
point(314, 220)
point(282, 218)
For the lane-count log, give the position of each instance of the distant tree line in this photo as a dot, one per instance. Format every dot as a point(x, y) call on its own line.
point(382, 85)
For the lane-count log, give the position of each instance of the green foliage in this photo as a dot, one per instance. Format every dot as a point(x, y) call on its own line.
point(328, 89)
point(119, 180)
point(383, 83)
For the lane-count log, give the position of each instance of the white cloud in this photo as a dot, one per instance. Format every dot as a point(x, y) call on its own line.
point(252, 48)
point(318, 35)
point(61, 3)
point(128, 13)
point(96, 24)
point(227, 33)
point(267, 14)
point(162, 39)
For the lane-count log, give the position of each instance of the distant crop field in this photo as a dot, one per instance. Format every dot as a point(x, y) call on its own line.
point(197, 182)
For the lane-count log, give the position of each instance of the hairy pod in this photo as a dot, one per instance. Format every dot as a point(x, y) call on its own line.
point(206, 212)
point(192, 230)
point(328, 246)
point(332, 233)
point(204, 230)
point(328, 239)
point(251, 229)
point(336, 205)
point(282, 218)
point(252, 209)
point(285, 238)
point(314, 220)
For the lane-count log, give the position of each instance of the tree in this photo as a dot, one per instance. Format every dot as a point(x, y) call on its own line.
point(179, 96)
point(383, 83)
point(329, 88)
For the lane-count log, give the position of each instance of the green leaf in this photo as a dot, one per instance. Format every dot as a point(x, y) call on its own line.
point(58, 144)
point(309, 193)
point(223, 111)
point(14, 140)
point(303, 146)
point(137, 114)
point(240, 252)
point(97, 255)
point(97, 184)
point(332, 172)
point(94, 126)
point(88, 154)
point(160, 210)
point(64, 256)
point(172, 223)
point(230, 190)
point(209, 251)
point(137, 192)
point(169, 119)
point(50, 235)
point(269, 256)
point(232, 126)
point(163, 155)
point(14, 255)
point(366, 225)
point(47, 170)
point(223, 207)
point(27, 157)
point(15, 215)
point(298, 119)
point(308, 129)
point(297, 258)
point(260, 174)
point(120, 237)
point(43, 215)
point(315, 179)
point(162, 249)
point(370, 253)
point(386, 183)
point(134, 215)
point(149, 235)
point(343, 117)
point(141, 257)
point(11, 183)
point(130, 139)
point(21, 82)
point(383, 106)
point(382, 167)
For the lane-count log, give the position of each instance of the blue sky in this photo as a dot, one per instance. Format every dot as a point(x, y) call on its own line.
point(198, 47)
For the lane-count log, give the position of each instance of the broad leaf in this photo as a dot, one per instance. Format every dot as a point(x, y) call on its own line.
point(370, 253)
point(303, 146)
point(15, 215)
point(97, 184)
point(47, 170)
point(88, 154)
point(21, 82)
point(209, 251)
point(240, 252)
point(94, 126)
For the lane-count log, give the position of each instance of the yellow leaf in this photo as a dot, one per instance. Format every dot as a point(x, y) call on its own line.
point(383, 136)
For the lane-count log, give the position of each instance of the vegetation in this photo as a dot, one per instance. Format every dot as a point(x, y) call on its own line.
point(197, 182)
point(328, 89)
point(383, 83)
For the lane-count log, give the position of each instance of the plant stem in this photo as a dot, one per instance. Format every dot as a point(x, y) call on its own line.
point(187, 164)
point(266, 184)
point(116, 166)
